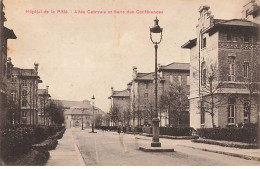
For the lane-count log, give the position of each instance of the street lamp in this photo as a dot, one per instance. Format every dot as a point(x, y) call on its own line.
point(93, 122)
point(155, 30)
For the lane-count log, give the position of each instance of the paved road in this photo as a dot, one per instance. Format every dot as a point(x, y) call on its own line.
point(112, 149)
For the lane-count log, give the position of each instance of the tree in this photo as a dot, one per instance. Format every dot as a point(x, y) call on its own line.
point(175, 102)
point(55, 112)
point(211, 86)
point(114, 114)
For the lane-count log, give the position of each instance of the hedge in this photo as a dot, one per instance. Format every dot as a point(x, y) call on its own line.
point(246, 135)
point(15, 142)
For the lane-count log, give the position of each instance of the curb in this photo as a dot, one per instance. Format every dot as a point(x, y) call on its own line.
point(226, 153)
point(234, 145)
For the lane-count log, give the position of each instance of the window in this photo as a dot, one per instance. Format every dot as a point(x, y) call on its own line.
point(234, 38)
point(179, 80)
point(24, 83)
point(204, 76)
point(202, 114)
point(24, 93)
point(246, 112)
point(146, 85)
point(231, 61)
point(229, 37)
point(146, 95)
point(246, 69)
point(188, 80)
point(24, 103)
point(231, 111)
point(204, 43)
point(13, 78)
point(24, 114)
point(246, 38)
point(171, 79)
point(13, 95)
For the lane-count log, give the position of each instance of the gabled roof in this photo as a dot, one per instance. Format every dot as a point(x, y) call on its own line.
point(123, 93)
point(176, 66)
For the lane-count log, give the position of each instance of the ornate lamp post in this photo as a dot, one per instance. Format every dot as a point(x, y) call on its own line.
point(155, 30)
point(93, 122)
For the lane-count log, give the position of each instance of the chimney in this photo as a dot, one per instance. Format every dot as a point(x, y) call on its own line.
point(134, 72)
point(203, 8)
point(112, 90)
point(36, 65)
point(47, 89)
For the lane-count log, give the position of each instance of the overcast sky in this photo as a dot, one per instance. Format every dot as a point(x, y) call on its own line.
point(85, 54)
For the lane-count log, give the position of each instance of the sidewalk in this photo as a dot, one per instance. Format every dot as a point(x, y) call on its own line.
point(66, 152)
point(249, 154)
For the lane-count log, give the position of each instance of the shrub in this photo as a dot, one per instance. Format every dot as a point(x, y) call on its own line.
point(247, 135)
point(171, 131)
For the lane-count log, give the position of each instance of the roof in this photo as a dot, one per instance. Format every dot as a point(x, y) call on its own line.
point(78, 111)
point(190, 43)
point(223, 23)
point(176, 66)
point(232, 22)
point(43, 92)
point(145, 76)
point(9, 33)
point(67, 104)
point(25, 72)
point(123, 93)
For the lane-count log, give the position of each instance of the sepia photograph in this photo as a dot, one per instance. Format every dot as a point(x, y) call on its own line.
point(130, 83)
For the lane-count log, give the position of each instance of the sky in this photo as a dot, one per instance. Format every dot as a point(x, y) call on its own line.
point(81, 55)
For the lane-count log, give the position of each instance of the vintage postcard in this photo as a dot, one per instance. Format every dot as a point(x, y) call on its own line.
point(129, 83)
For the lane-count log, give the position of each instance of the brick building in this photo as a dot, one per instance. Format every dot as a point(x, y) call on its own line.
point(120, 100)
point(23, 94)
point(224, 64)
point(142, 92)
point(5, 34)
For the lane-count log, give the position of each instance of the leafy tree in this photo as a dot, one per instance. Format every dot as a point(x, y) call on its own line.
point(55, 112)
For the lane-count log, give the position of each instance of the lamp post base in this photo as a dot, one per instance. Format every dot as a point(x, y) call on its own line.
point(156, 142)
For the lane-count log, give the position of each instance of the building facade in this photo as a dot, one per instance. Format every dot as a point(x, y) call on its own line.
point(142, 96)
point(224, 60)
point(23, 94)
point(5, 34)
point(120, 107)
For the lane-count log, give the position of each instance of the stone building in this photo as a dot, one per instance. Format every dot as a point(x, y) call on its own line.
point(23, 94)
point(5, 34)
point(120, 102)
point(224, 66)
point(142, 92)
